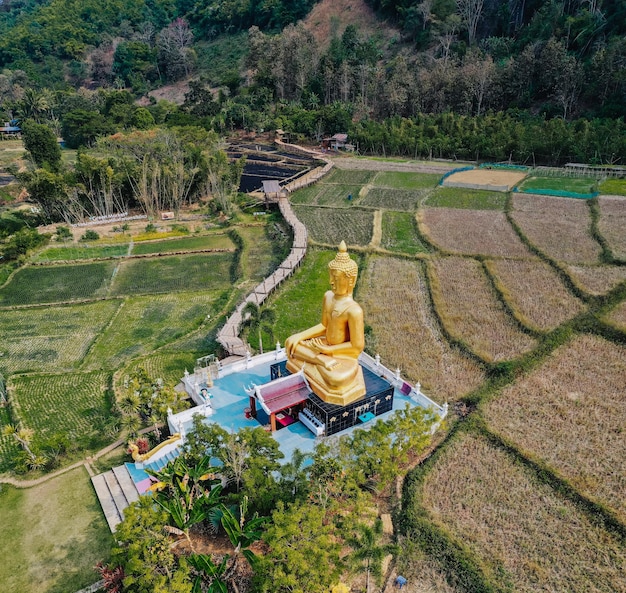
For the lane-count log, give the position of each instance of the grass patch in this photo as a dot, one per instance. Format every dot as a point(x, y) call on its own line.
point(333, 225)
point(405, 180)
point(614, 187)
point(299, 304)
point(349, 177)
point(197, 243)
point(324, 194)
point(400, 233)
point(11, 151)
point(52, 284)
point(264, 248)
point(53, 535)
point(50, 338)
point(73, 404)
point(74, 252)
point(173, 274)
point(145, 323)
point(473, 199)
point(579, 185)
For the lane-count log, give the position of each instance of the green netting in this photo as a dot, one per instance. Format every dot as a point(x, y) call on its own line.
point(453, 171)
point(558, 193)
point(503, 166)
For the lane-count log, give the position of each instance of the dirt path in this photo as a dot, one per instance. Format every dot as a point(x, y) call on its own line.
point(377, 233)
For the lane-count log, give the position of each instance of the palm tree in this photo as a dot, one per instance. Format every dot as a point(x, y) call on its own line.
point(260, 320)
point(368, 552)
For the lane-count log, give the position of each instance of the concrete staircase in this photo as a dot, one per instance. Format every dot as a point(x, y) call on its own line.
point(116, 491)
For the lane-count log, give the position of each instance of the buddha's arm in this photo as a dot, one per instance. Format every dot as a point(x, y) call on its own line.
point(313, 332)
point(354, 346)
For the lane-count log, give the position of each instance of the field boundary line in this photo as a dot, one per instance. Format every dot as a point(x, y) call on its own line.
point(377, 229)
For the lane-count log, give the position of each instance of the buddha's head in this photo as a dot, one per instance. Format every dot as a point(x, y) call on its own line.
point(343, 272)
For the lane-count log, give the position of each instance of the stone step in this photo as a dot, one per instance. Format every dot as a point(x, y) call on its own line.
point(116, 492)
point(126, 483)
point(107, 503)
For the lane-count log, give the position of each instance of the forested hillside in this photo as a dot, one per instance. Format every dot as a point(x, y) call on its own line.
point(541, 81)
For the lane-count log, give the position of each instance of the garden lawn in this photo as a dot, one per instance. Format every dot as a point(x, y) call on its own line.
point(72, 404)
point(173, 274)
point(142, 324)
point(51, 338)
point(53, 284)
point(400, 233)
point(473, 199)
point(333, 225)
point(52, 536)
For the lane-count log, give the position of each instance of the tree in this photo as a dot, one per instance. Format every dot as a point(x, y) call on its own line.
point(259, 320)
point(470, 12)
point(176, 55)
point(368, 552)
point(42, 146)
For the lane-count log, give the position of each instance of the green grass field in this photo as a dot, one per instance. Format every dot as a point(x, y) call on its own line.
point(142, 324)
point(582, 185)
point(348, 177)
point(326, 194)
point(54, 284)
point(472, 199)
point(614, 187)
point(78, 252)
point(391, 199)
point(333, 225)
point(51, 338)
point(400, 233)
point(173, 274)
point(197, 243)
point(66, 536)
point(72, 404)
point(407, 181)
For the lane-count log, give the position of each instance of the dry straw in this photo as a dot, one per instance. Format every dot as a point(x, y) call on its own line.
point(527, 538)
point(596, 280)
point(535, 293)
point(471, 311)
point(559, 227)
point(612, 223)
point(471, 232)
point(397, 305)
point(571, 413)
point(618, 317)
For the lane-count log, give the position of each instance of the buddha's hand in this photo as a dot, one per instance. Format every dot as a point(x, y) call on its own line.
point(291, 344)
point(319, 346)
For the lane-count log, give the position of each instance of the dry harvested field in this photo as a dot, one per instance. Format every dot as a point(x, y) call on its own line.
point(571, 413)
point(612, 223)
point(526, 537)
point(596, 280)
point(485, 179)
point(617, 317)
point(395, 299)
point(422, 575)
point(471, 232)
point(470, 310)
point(391, 165)
point(535, 292)
point(560, 227)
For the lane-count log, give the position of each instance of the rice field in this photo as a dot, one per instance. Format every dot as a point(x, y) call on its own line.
point(400, 234)
point(55, 284)
point(579, 185)
point(197, 243)
point(173, 274)
point(79, 252)
point(405, 180)
point(571, 413)
point(525, 537)
point(471, 199)
point(471, 232)
point(471, 312)
point(535, 293)
point(50, 338)
point(617, 317)
point(612, 224)
point(559, 227)
point(596, 280)
point(169, 366)
point(327, 194)
point(396, 303)
point(143, 324)
point(391, 199)
point(69, 404)
point(333, 225)
point(348, 177)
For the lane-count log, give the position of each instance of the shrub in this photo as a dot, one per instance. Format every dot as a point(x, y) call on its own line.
point(90, 235)
point(63, 233)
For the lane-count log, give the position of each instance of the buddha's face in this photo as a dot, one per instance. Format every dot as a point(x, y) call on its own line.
point(340, 283)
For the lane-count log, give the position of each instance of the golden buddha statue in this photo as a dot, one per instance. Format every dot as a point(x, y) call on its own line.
point(327, 353)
